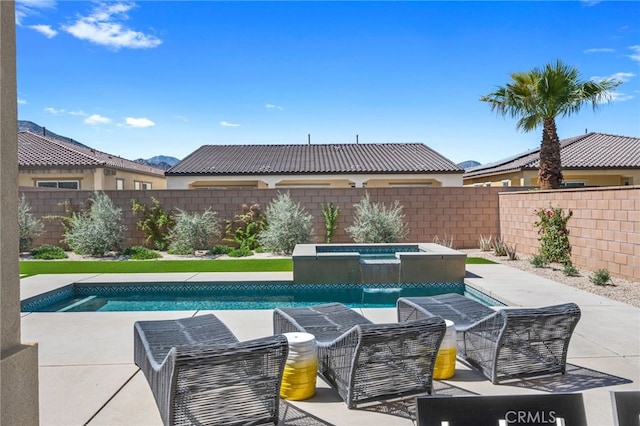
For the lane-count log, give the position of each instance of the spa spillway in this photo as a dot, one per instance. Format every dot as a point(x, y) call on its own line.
point(377, 263)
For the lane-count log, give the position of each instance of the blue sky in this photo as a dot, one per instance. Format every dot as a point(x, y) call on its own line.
point(138, 79)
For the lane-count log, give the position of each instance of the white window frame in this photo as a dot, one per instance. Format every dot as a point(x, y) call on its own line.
point(119, 184)
point(57, 183)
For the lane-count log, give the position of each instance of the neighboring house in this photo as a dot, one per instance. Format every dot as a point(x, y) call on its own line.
point(314, 165)
point(592, 159)
point(51, 163)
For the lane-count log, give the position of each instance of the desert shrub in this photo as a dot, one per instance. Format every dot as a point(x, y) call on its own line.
point(330, 212)
point(97, 230)
point(600, 277)
point(570, 271)
point(376, 223)
point(245, 227)
point(140, 253)
point(48, 252)
point(499, 247)
point(485, 243)
point(192, 231)
point(29, 227)
point(154, 221)
point(511, 251)
point(554, 235)
point(537, 261)
point(445, 241)
point(219, 249)
point(240, 252)
point(288, 225)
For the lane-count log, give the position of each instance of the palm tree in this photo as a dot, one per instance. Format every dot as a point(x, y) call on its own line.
point(537, 97)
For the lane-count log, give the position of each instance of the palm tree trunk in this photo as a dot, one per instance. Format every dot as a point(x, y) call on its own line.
point(549, 174)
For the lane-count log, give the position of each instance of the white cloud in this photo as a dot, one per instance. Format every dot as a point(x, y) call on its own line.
point(104, 27)
point(181, 118)
point(21, 101)
point(636, 52)
point(139, 122)
point(81, 113)
point(599, 50)
point(25, 8)
point(272, 106)
point(227, 124)
point(620, 97)
point(54, 111)
point(97, 119)
point(590, 2)
point(620, 76)
point(45, 30)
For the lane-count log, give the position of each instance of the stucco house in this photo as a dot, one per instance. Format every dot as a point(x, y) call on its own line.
point(52, 163)
point(314, 165)
point(592, 159)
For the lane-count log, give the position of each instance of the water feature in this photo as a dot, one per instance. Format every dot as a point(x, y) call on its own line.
point(377, 263)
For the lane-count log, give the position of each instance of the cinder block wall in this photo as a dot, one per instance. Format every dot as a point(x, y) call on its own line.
point(604, 231)
point(460, 213)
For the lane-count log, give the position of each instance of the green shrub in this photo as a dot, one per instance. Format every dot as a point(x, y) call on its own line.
point(154, 221)
point(375, 223)
point(570, 271)
point(288, 225)
point(192, 231)
point(600, 277)
point(240, 252)
point(29, 227)
point(219, 249)
point(330, 212)
point(245, 227)
point(554, 234)
point(97, 230)
point(48, 252)
point(537, 261)
point(140, 253)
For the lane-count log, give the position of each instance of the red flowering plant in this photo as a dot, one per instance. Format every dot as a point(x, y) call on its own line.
point(554, 235)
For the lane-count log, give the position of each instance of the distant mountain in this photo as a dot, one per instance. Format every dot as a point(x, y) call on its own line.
point(161, 161)
point(30, 126)
point(468, 164)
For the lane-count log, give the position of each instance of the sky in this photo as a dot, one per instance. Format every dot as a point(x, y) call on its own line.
point(146, 78)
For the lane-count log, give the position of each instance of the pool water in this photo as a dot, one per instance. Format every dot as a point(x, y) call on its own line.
point(121, 297)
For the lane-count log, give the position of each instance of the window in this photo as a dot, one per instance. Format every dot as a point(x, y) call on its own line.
point(62, 184)
point(119, 184)
point(573, 184)
point(141, 185)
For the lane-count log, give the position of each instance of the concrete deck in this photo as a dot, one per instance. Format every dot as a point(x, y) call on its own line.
point(87, 375)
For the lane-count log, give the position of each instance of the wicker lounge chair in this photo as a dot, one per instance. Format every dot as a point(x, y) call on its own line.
point(504, 344)
point(367, 362)
point(201, 375)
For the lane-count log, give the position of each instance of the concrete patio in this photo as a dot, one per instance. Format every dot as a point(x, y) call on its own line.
point(87, 375)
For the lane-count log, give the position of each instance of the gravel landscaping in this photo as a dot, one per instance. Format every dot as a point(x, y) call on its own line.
point(619, 289)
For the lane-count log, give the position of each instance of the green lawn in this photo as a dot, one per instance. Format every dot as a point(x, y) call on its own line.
point(146, 266)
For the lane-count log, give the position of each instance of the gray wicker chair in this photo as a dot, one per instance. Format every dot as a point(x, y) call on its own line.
point(201, 375)
point(504, 344)
point(364, 361)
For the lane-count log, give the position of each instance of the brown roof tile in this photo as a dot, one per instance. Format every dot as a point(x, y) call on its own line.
point(42, 152)
point(313, 158)
point(588, 151)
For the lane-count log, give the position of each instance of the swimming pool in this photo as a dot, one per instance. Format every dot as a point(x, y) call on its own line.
point(107, 297)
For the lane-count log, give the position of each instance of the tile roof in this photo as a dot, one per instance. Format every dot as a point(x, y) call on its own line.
point(588, 151)
point(313, 158)
point(43, 152)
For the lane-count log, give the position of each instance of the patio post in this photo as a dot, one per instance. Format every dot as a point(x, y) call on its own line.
point(18, 361)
